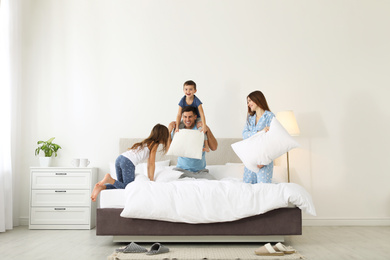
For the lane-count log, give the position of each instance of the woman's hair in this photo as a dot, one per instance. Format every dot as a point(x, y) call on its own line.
point(259, 98)
point(158, 135)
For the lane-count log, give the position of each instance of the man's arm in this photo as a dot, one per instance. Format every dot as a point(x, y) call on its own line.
point(213, 144)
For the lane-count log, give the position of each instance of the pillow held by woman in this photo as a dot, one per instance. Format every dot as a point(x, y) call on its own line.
point(264, 147)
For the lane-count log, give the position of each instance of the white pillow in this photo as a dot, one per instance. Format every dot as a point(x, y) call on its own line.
point(166, 174)
point(112, 170)
point(264, 147)
point(187, 143)
point(229, 170)
point(141, 177)
point(143, 167)
point(235, 170)
point(218, 171)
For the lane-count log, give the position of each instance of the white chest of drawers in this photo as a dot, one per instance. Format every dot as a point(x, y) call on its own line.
point(60, 198)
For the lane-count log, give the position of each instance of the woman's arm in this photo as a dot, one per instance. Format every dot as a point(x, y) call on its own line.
point(268, 120)
point(249, 129)
point(178, 119)
point(152, 161)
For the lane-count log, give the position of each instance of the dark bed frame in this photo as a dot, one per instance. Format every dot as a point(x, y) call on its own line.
point(268, 227)
point(271, 226)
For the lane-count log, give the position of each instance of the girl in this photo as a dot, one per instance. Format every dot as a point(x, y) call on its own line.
point(259, 118)
point(126, 162)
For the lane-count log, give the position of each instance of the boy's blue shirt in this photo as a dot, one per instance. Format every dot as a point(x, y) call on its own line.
point(195, 104)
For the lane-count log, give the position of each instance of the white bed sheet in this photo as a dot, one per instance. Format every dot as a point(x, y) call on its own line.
point(116, 199)
point(205, 201)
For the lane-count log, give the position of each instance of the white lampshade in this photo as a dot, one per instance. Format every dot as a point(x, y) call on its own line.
point(288, 121)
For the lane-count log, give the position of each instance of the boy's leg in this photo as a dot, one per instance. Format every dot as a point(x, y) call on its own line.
point(198, 123)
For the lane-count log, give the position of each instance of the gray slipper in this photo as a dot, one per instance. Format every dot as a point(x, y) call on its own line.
point(157, 248)
point(132, 248)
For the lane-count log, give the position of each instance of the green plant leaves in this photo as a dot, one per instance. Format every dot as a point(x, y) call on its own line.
point(47, 147)
point(50, 140)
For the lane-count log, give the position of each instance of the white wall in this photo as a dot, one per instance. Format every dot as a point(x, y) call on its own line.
point(95, 71)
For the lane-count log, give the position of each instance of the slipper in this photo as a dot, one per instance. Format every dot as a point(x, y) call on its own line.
point(157, 248)
point(267, 250)
point(279, 247)
point(132, 248)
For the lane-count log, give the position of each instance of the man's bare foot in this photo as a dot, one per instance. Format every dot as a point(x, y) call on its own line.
point(98, 188)
point(107, 179)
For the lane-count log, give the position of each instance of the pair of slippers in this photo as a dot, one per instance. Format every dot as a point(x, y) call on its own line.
point(278, 250)
point(155, 249)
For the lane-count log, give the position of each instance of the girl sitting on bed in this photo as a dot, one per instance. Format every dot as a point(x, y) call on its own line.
point(126, 162)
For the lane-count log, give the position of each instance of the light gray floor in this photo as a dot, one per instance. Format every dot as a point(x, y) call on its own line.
point(326, 243)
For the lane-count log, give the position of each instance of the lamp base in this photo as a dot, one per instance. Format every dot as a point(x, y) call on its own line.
point(288, 169)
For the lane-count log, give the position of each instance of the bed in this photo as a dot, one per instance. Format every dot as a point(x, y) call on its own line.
point(270, 226)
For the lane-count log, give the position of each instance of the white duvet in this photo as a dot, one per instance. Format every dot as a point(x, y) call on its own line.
point(205, 201)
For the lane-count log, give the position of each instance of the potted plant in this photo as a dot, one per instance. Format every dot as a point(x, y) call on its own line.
point(48, 147)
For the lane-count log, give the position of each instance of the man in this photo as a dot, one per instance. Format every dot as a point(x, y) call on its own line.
point(194, 168)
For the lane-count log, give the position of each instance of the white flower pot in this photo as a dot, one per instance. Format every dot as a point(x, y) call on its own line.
point(45, 161)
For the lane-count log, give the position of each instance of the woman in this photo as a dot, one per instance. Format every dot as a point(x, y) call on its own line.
point(126, 162)
point(259, 118)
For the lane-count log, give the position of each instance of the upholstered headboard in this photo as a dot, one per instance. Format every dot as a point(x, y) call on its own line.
point(222, 155)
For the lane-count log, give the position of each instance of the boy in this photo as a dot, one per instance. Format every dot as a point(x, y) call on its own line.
point(189, 99)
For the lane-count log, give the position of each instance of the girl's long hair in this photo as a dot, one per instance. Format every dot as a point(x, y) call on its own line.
point(259, 98)
point(158, 135)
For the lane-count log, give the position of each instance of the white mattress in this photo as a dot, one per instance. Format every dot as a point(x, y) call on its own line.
point(112, 198)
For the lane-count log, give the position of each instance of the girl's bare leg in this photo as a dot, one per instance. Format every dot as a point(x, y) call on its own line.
point(98, 188)
point(107, 179)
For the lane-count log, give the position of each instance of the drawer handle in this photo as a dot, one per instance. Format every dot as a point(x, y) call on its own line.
point(60, 191)
point(61, 173)
point(59, 208)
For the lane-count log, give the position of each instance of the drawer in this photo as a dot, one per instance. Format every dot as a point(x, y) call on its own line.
point(61, 180)
point(59, 216)
point(60, 198)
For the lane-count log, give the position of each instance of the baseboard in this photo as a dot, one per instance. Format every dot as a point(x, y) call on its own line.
point(24, 221)
point(346, 222)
